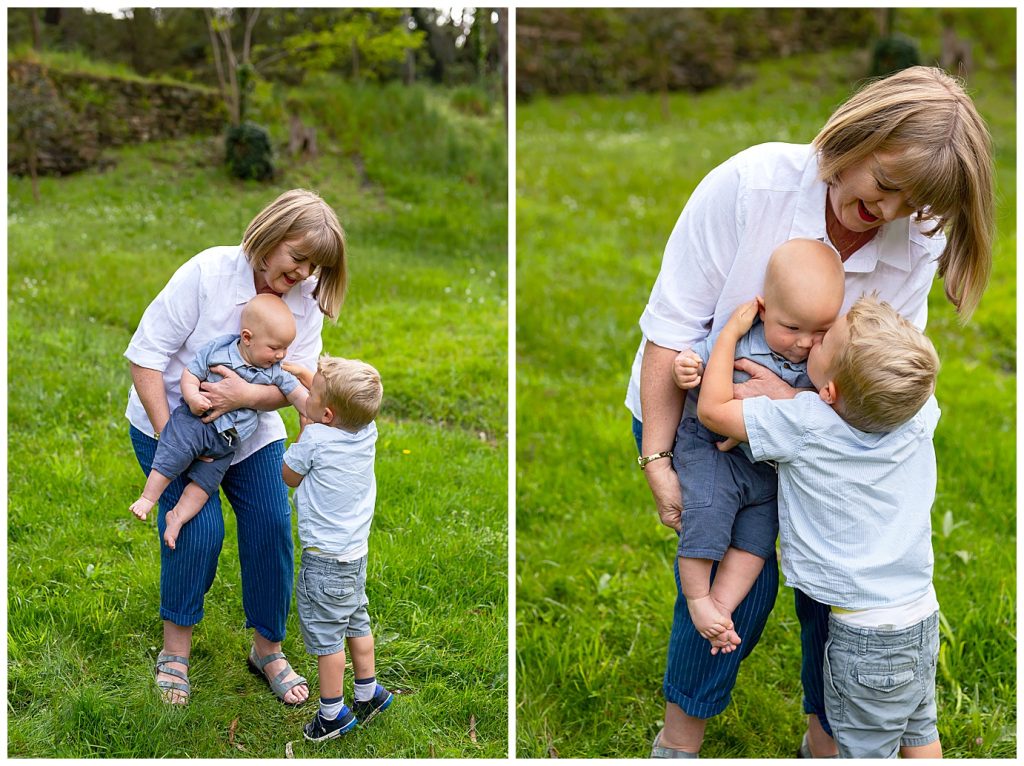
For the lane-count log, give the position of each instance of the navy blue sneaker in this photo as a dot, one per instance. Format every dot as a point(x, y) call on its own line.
point(366, 711)
point(320, 729)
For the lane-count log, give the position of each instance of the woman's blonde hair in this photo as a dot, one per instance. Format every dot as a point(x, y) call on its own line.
point(308, 223)
point(352, 389)
point(942, 157)
point(885, 371)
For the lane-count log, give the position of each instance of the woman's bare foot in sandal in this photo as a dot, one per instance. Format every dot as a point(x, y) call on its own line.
point(297, 694)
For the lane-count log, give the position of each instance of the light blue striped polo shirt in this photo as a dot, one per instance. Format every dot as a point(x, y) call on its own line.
point(854, 507)
point(224, 351)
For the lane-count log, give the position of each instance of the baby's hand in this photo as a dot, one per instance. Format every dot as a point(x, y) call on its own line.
point(687, 369)
point(743, 317)
point(199, 404)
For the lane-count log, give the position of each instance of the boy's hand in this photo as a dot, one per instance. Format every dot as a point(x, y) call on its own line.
point(304, 374)
point(743, 317)
point(727, 445)
point(198, 404)
point(687, 370)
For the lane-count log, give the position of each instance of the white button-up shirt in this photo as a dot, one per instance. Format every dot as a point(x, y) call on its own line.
point(203, 300)
point(717, 254)
point(854, 508)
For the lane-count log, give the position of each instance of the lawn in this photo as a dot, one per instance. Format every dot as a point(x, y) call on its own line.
point(600, 183)
point(422, 194)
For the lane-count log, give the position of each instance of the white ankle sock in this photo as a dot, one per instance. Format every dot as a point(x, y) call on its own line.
point(364, 688)
point(331, 707)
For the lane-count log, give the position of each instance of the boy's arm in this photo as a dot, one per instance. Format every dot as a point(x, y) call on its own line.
point(298, 398)
point(716, 407)
point(289, 476)
point(194, 398)
point(304, 374)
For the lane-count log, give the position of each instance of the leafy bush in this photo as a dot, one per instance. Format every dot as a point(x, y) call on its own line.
point(891, 54)
point(249, 154)
point(470, 100)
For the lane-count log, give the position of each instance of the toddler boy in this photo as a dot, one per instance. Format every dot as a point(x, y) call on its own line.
point(856, 484)
point(730, 511)
point(332, 466)
point(204, 451)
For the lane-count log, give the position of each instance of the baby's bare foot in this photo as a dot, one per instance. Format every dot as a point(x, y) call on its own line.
point(707, 618)
point(725, 642)
point(172, 527)
point(141, 507)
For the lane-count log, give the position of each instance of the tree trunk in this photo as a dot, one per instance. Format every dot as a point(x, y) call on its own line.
point(36, 41)
point(409, 67)
point(503, 57)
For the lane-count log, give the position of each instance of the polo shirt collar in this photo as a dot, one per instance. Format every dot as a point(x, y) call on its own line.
point(756, 340)
point(889, 245)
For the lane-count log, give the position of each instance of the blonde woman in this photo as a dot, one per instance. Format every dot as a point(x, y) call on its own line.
point(294, 248)
point(899, 182)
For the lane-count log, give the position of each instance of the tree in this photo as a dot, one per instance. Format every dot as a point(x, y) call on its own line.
point(233, 70)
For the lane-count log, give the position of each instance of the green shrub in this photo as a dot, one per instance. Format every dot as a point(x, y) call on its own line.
point(470, 100)
point(249, 154)
point(891, 54)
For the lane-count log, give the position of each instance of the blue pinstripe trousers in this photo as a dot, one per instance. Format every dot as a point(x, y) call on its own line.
point(259, 499)
point(702, 684)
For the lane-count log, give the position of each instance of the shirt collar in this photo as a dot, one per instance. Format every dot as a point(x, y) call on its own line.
point(888, 246)
point(756, 339)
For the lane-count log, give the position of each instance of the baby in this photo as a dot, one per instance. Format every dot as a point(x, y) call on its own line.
point(730, 512)
point(204, 451)
point(332, 467)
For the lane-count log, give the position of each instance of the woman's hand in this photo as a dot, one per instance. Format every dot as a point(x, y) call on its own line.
point(668, 497)
point(763, 382)
point(227, 395)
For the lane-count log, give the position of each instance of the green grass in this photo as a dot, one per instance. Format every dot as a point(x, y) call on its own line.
point(427, 306)
point(600, 183)
point(74, 61)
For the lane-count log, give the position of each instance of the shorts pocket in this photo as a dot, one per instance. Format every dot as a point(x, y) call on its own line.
point(339, 591)
point(883, 679)
point(695, 463)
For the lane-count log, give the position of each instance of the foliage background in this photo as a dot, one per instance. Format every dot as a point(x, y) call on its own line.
point(420, 186)
point(600, 182)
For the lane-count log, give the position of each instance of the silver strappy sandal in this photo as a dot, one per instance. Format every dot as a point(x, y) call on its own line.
point(278, 685)
point(168, 688)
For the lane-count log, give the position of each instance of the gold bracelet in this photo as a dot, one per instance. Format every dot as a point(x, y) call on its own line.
point(643, 461)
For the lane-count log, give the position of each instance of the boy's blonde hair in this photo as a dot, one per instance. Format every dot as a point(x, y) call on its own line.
point(885, 371)
point(353, 390)
point(302, 216)
point(942, 158)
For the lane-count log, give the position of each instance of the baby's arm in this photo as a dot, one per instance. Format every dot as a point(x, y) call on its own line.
point(716, 407)
point(194, 398)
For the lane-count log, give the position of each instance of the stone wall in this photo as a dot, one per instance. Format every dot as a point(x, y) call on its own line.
point(73, 116)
